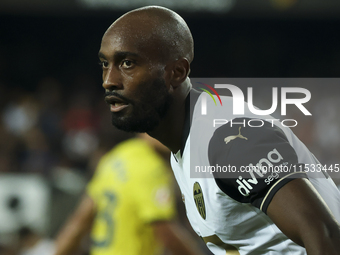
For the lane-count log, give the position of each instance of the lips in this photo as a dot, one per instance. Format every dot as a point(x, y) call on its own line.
point(116, 104)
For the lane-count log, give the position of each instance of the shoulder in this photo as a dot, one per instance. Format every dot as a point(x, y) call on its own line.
point(260, 161)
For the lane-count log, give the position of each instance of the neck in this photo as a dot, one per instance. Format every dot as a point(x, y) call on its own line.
point(170, 130)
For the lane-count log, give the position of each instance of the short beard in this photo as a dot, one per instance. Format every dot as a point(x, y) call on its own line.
point(146, 116)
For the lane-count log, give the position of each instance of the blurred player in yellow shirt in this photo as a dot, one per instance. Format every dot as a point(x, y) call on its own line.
point(128, 206)
point(131, 188)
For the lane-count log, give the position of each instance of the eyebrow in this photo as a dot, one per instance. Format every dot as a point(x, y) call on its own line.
point(101, 55)
point(119, 55)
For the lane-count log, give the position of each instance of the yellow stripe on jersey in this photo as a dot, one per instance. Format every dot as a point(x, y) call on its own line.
point(131, 188)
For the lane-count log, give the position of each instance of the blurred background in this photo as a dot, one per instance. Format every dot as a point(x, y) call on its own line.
point(54, 123)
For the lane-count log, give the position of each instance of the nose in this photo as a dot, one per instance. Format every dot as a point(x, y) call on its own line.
point(111, 79)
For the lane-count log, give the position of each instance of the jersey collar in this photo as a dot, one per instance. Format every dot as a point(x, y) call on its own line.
point(190, 102)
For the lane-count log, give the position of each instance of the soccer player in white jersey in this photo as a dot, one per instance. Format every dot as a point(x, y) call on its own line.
point(145, 57)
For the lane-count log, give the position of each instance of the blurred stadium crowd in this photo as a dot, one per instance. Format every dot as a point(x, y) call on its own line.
point(56, 139)
point(54, 123)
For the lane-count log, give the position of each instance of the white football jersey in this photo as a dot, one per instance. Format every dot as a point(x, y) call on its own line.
point(227, 207)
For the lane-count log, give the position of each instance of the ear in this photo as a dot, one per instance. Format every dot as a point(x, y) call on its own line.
point(180, 72)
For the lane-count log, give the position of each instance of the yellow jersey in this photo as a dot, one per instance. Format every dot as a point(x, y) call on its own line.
point(131, 188)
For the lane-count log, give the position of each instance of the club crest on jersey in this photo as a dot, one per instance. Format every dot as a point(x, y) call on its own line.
point(199, 200)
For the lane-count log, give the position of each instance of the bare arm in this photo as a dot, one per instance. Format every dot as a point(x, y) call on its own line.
point(175, 238)
point(301, 214)
point(79, 224)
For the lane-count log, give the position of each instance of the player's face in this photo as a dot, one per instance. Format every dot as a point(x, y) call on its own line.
point(135, 87)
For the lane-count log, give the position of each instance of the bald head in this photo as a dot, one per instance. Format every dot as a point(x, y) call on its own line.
point(155, 30)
